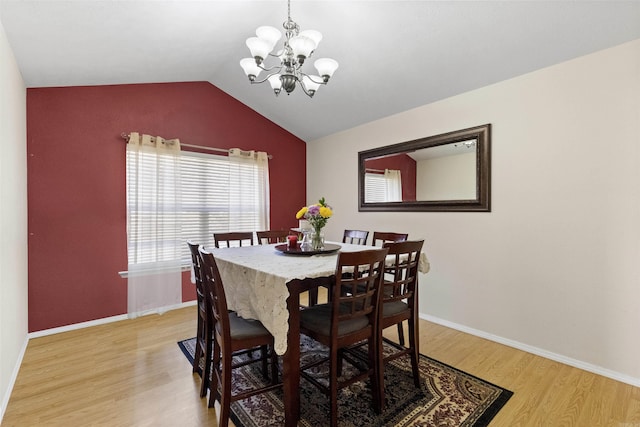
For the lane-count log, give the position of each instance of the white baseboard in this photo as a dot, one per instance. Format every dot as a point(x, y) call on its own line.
point(75, 326)
point(12, 380)
point(537, 351)
point(106, 320)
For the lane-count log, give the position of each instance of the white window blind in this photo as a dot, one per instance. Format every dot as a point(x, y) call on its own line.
point(207, 203)
point(383, 187)
point(375, 188)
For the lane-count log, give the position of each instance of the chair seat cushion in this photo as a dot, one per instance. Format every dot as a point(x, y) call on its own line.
point(318, 320)
point(245, 328)
point(393, 308)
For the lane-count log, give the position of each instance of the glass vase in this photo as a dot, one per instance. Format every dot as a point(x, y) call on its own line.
point(317, 240)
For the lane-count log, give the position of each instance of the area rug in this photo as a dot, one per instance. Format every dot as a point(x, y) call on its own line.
point(448, 397)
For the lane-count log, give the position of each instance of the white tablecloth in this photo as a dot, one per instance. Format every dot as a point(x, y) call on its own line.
point(255, 279)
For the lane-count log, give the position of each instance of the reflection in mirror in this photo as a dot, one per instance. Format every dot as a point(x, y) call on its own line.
point(445, 172)
point(448, 172)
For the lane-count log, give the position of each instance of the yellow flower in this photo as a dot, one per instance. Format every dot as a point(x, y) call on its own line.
point(301, 213)
point(325, 212)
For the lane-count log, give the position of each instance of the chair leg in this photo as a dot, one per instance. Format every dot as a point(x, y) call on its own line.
point(374, 346)
point(333, 387)
point(414, 344)
point(199, 350)
point(196, 358)
point(211, 367)
point(264, 355)
point(210, 350)
point(400, 334)
point(274, 365)
point(225, 386)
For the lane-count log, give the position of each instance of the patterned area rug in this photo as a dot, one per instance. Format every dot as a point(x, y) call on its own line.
point(448, 397)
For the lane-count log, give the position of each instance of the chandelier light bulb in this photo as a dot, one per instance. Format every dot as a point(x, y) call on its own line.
point(251, 69)
point(311, 83)
point(302, 47)
point(313, 35)
point(326, 67)
point(259, 48)
point(269, 34)
point(276, 83)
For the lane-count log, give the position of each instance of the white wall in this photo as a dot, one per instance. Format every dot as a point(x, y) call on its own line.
point(554, 268)
point(13, 220)
point(447, 177)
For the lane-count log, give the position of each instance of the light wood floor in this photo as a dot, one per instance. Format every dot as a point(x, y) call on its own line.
point(131, 373)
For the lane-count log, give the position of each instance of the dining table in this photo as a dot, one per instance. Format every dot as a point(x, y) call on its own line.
point(264, 282)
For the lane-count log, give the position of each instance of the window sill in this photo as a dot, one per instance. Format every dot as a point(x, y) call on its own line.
point(154, 270)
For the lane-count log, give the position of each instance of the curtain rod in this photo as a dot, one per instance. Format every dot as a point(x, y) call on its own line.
point(374, 170)
point(200, 147)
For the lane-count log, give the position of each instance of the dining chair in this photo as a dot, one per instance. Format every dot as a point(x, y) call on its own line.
point(232, 336)
point(347, 319)
point(383, 237)
point(399, 302)
point(272, 236)
point(355, 237)
point(379, 239)
point(203, 319)
point(233, 237)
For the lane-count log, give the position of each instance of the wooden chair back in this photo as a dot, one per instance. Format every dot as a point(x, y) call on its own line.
point(355, 237)
point(401, 277)
point(272, 236)
point(400, 302)
point(235, 238)
point(203, 319)
point(196, 263)
point(382, 237)
point(216, 298)
point(356, 290)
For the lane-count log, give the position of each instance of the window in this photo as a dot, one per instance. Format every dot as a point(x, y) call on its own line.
point(383, 186)
point(375, 188)
point(215, 194)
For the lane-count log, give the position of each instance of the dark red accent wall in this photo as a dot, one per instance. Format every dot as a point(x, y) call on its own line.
point(76, 183)
point(407, 167)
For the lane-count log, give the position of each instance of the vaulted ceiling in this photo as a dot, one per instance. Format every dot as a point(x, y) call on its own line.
point(393, 55)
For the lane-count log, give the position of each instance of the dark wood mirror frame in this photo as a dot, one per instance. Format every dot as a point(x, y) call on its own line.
point(482, 202)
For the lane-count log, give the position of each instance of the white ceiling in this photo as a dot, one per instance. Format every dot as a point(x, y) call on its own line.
point(393, 55)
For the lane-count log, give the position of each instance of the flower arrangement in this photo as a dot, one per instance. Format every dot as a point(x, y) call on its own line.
point(317, 214)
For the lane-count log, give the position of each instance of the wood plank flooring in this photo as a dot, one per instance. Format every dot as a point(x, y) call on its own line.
point(131, 373)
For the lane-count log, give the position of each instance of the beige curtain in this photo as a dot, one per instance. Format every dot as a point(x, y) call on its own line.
point(248, 169)
point(394, 185)
point(153, 142)
point(153, 232)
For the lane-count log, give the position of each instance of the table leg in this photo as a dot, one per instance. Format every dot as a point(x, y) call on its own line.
point(291, 359)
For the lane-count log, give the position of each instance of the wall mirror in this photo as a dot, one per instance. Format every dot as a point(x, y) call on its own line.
point(447, 172)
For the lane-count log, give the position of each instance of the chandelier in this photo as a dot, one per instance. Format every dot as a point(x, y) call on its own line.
point(298, 46)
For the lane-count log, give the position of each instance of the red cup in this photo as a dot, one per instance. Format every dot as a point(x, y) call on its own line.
point(293, 241)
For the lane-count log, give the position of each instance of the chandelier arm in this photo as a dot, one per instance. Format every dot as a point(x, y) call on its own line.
point(275, 67)
point(304, 89)
point(265, 79)
point(321, 82)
